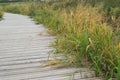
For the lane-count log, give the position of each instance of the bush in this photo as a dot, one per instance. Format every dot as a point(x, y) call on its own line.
point(1, 13)
point(17, 8)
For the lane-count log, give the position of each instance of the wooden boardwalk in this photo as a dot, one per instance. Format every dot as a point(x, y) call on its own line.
point(24, 49)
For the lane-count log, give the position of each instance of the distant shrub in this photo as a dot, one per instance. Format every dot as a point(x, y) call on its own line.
point(1, 13)
point(17, 8)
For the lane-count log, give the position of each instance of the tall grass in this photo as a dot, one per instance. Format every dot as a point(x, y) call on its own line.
point(82, 34)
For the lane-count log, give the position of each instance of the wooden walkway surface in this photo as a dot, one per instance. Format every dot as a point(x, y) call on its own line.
point(24, 48)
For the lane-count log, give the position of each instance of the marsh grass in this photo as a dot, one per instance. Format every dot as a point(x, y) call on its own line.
point(81, 35)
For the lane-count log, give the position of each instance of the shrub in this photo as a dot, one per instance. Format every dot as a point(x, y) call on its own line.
point(17, 8)
point(1, 13)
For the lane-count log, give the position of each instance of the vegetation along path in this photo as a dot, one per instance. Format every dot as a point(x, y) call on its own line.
point(24, 50)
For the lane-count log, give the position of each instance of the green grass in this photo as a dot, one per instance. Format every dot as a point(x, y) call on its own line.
point(9, 3)
point(83, 33)
point(4, 4)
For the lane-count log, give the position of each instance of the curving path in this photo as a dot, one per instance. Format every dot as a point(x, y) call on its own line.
point(24, 49)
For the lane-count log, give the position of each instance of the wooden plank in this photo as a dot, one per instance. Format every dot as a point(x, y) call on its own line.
point(48, 73)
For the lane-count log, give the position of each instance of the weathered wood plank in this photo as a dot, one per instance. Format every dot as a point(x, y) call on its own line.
point(48, 73)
